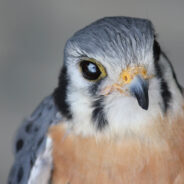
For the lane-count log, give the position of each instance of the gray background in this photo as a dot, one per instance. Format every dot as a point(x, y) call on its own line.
point(32, 37)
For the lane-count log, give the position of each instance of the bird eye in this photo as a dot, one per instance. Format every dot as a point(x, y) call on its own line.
point(92, 70)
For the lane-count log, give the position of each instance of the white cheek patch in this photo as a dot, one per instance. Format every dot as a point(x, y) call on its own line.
point(76, 79)
point(81, 108)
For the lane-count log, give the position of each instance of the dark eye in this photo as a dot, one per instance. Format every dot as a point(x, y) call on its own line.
point(92, 70)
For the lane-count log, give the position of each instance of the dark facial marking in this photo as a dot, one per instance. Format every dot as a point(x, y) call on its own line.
point(98, 115)
point(165, 92)
point(60, 94)
point(156, 51)
point(173, 73)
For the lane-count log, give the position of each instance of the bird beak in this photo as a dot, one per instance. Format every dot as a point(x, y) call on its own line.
point(139, 89)
point(135, 81)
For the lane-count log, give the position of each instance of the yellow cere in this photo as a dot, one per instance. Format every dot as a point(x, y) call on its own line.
point(126, 77)
point(128, 74)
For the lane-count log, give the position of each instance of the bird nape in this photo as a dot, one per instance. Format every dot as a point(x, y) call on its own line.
point(116, 116)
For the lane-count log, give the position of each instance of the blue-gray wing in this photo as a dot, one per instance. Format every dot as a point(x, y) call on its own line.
point(31, 141)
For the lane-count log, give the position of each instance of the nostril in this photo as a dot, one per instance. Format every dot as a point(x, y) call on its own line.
point(125, 78)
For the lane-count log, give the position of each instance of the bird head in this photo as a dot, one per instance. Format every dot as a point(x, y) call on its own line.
point(115, 78)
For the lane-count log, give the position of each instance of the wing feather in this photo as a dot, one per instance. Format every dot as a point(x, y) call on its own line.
point(30, 142)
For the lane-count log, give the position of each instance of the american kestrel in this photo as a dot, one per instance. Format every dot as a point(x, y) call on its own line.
point(116, 116)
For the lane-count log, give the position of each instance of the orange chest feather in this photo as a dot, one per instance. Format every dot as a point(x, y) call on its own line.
point(80, 160)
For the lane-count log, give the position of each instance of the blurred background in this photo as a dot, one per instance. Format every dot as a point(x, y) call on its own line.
point(32, 38)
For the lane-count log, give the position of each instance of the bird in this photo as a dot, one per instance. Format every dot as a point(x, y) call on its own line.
point(115, 117)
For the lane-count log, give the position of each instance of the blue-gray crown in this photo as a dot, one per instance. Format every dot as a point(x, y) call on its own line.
point(121, 37)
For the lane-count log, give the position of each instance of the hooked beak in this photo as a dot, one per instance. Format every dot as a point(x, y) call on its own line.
point(139, 89)
point(136, 80)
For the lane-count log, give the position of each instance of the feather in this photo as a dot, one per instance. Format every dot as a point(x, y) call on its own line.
point(155, 157)
point(30, 144)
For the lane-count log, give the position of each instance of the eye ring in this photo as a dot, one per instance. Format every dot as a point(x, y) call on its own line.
point(92, 70)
